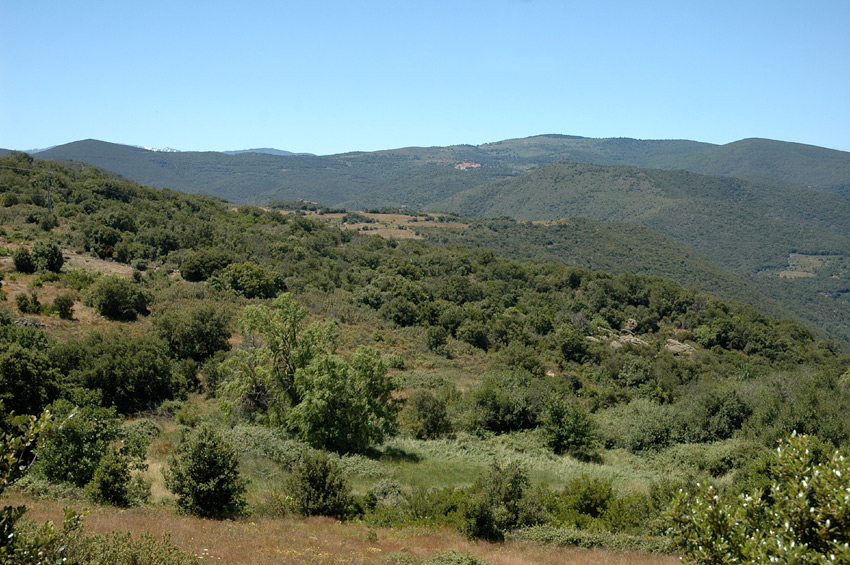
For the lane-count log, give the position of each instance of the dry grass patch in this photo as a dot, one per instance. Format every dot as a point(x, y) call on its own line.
point(319, 540)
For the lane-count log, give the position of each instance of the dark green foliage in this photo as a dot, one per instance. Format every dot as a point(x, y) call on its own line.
point(424, 416)
point(249, 280)
point(503, 403)
point(23, 260)
point(435, 338)
point(28, 304)
point(587, 496)
point(27, 379)
point(75, 445)
point(202, 264)
point(196, 332)
point(47, 256)
point(118, 298)
point(499, 502)
point(318, 487)
point(569, 428)
point(63, 305)
point(131, 372)
point(571, 344)
point(204, 474)
point(110, 483)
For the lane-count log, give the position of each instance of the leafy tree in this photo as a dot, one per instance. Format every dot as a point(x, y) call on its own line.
point(204, 474)
point(118, 298)
point(131, 372)
point(568, 428)
point(262, 378)
point(249, 280)
point(345, 405)
point(318, 486)
point(803, 517)
point(27, 379)
point(196, 332)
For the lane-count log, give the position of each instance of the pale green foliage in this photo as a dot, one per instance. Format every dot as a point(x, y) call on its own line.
point(345, 405)
point(262, 377)
point(804, 517)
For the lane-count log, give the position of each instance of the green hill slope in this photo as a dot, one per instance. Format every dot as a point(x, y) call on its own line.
point(751, 227)
point(418, 176)
point(607, 246)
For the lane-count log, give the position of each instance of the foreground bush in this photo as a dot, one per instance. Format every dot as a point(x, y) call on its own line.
point(204, 474)
point(803, 517)
point(318, 487)
point(498, 503)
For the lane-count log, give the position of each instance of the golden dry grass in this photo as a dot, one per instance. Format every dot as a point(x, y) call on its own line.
point(319, 540)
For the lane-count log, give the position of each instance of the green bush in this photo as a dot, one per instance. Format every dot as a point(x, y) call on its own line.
point(110, 483)
point(75, 445)
point(569, 428)
point(28, 304)
point(249, 280)
point(498, 503)
point(118, 298)
point(204, 474)
point(132, 372)
point(47, 256)
point(201, 265)
point(23, 260)
point(196, 332)
point(63, 305)
point(424, 416)
point(803, 517)
point(318, 487)
point(345, 405)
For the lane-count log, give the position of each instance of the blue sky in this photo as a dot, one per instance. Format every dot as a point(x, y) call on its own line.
point(328, 77)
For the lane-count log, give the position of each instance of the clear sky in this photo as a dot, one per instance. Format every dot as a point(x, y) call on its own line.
point(328, 77)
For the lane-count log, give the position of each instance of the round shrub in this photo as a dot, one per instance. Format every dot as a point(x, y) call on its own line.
point(118, 298)
point(318, 487)
point(23, 260)
point(63, 305)
point(568, 428)
point(111, 481)
point(204, 474)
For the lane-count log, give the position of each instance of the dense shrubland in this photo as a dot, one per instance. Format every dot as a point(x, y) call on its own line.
point(353, 360)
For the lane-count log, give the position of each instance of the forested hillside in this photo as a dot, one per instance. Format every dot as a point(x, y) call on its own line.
point(419, 176)
point(757, 229)
point(312, 371)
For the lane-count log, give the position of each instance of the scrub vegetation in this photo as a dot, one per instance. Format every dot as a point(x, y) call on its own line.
point(256, 366)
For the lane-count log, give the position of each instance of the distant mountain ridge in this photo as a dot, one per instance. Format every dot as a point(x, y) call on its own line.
point(418, 176)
